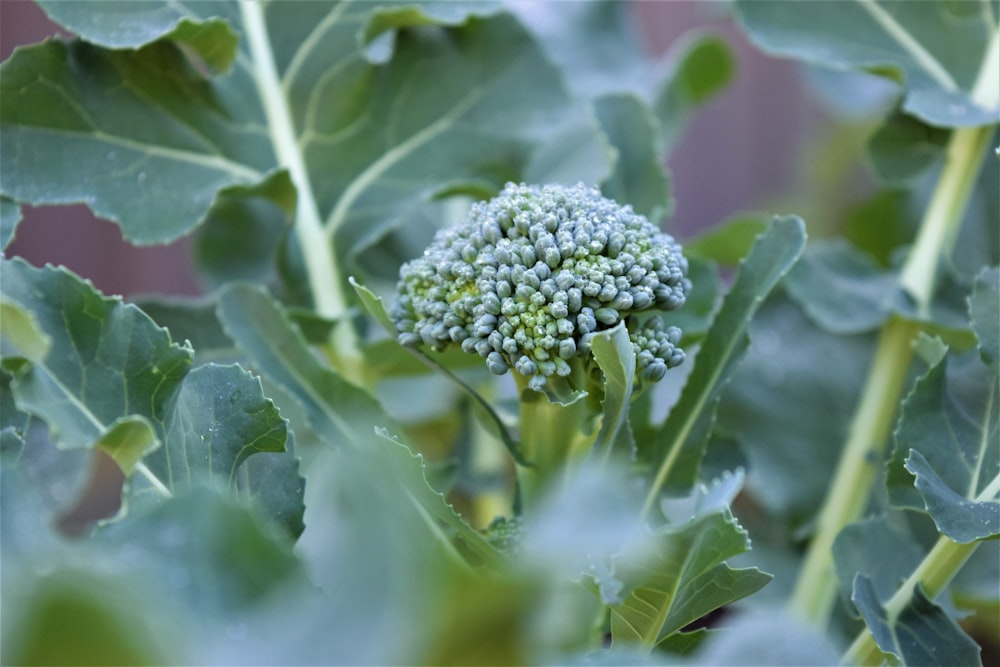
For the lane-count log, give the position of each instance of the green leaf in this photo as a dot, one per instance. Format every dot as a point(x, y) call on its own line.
point(637, 177)
point(840, 288)
point(677, 449)
point(125, 25)
point(880, 550)
point(685, 579)
point(957, 517)
point(228, 559)
point(130, 137)
point(792, 362)
point(985, 313)
point(192, 320)
point(943, 85)
point(698, 66)
point(613, 352)
point(409, 472)
point(879, 225)
point(946, 434)
point(729, 242)
point(243, 231)
point(114, 380)
point(302, 94)
point(339, 411)
point(922, 634)
point(106, 359)
point(904, 149)
point(10, 215)
point(20, 334)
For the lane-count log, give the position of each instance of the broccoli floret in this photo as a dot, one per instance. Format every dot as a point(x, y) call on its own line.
point(534, 273)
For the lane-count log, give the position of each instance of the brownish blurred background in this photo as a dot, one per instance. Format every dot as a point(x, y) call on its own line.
point(740, 152)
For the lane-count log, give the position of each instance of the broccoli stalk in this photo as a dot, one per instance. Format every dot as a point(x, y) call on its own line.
point(526, 282)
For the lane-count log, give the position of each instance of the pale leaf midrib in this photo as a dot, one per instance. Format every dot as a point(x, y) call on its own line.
point(924, 59)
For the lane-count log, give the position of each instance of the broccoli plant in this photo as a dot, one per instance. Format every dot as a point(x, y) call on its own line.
point(458, 389)
point(531, 282)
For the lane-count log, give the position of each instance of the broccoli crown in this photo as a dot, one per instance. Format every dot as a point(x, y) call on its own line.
point(531, 275)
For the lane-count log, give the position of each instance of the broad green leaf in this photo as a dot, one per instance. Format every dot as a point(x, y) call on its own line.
point(946, 86)
point(637, 177)
point(841, 289)
point(985, 313)
point(106, 360)
point(409, 472)
point(730, 241)
point(613, 353)
point(922, 633)
point(950, 421)
point(595, 43)
point(673, 455)
point(364, 142)
point(10, 215)
point(227, 558)
point(779, 399)
point(220, 420)
point(112, 379)
point(84, 124)
point(598, 45)
point(193, 321)
point(242, 231)
point(955, 515)
point(338, 410)
point(685, 579)
point(879, 549)
point(130, 25)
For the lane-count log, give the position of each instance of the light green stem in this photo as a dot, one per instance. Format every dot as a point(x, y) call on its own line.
point(153, 480)
point(935, 572)
point(816, 588)
point(551, 439)
point(944, 213)
point(325, 281)
point(862, 456)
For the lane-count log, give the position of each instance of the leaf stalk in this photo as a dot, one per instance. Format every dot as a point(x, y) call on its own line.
point(325, 283)
point(935, 571)
point(815, 590)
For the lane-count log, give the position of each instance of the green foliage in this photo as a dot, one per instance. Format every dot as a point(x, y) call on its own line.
point(301, 488)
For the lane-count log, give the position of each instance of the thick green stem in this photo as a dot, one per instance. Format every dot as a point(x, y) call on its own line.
point(816, 587)
point(325, 280)
point(935, 572)
point(551, 438)
point(944, 213)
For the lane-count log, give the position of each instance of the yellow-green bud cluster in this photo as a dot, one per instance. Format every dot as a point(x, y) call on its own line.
point(530, 275)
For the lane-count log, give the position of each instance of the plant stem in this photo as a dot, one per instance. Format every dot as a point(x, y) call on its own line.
point(550, 437)
point(936, 570)
point(324, 276)
point(815, 590)
point(816, 587)
point(944, 213)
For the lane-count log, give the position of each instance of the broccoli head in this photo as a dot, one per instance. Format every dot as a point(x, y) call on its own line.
point(531, 275)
